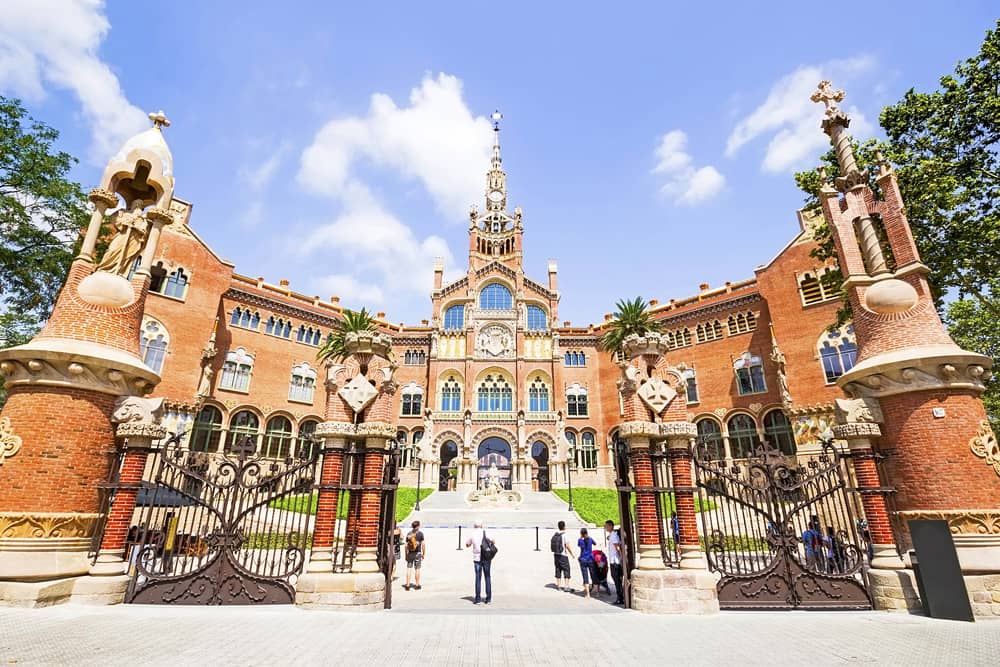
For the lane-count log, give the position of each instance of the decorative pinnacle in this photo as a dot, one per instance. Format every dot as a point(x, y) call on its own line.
point(496, 118)
point(828, 96)
point(159, 119)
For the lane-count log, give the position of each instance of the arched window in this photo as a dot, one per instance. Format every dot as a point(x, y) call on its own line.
point(269, 327)
point(243, 424)
point(576, 358)
point(153, 343)
point(571, 439)
point(236, 371)
point(278, 438)
point(576, 401)
point(707, 331)
point(814, 289)
point(538, 396)
point(743, 437)
point(710, 435)
point(778, 432)
point(495, 297)
point(587, 454)
point(495, 395)
point(837, 352)
point(176, 284)
point(316, 337)
point(207, 431)
point(301, 335)
point(415, 439)
point(454, 318)
point(304, 445)
point(749, 374)
point(691, 385)
point(536, 319)
point(413, 398)
point(741, 323)
point(451, 395)
point(303, 383)
point(237, 316)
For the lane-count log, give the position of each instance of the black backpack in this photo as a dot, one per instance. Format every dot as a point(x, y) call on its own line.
point(487, 549)
point(556, 543)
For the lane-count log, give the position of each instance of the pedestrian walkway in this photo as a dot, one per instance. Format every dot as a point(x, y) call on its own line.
point(448, 509)
point(284, 635)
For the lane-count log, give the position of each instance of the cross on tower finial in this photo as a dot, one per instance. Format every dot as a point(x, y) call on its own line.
point(159, 119)
point(828, 96)
point(496, 118)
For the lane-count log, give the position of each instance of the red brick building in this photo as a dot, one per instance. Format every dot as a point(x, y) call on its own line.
point(491, 373)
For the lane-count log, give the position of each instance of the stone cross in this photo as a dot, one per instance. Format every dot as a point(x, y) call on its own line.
point(159, 119)
point(828, 96)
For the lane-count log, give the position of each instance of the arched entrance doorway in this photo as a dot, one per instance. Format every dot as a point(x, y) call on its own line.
point(449, 451)
point(540, 453)
point(494, 451)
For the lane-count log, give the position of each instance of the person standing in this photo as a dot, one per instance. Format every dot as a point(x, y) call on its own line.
point(586, 560)
point(614, 549)
point(480, 563)
point(416, 551)
point(561, 553)
point(397, 548)
point(812, 541)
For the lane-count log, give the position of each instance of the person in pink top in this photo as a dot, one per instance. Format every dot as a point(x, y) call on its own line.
point(482, 566)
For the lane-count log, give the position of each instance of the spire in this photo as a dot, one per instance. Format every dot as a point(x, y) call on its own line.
point(496, 179)
point(835, 123)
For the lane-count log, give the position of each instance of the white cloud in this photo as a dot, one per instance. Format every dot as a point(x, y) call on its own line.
point(435, 140)
point(685, 184)
point(256, 178)
point(792, 120)
point(54, 43)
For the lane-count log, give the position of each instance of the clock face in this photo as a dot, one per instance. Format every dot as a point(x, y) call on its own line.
point(496, 196)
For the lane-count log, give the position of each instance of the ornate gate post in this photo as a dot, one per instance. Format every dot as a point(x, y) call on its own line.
point(648, 388)
point(944, 463)
point(359, 406)
point(56, 426)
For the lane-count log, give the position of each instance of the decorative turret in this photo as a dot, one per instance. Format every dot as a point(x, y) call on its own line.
point(495, 234)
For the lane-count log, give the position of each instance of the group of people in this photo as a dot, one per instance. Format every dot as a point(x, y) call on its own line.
point(824, 552)
point(483, 549)
point(594, 563)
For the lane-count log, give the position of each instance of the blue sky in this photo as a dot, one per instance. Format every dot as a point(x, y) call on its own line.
point(339, 145)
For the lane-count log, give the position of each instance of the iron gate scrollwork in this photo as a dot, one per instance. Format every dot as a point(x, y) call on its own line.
point(783, 533)
point(387, 518)
point(623, 483)
point(221, 528)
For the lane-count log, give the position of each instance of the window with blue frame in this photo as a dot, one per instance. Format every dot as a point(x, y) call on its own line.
point(538, 396)
point(176, 284)
point(496, 297)
point(575, 358)
point(454, 318)
point(837, 352)
point(536, 319)
point(749, 374)
point(451, 395)
point(495, 395)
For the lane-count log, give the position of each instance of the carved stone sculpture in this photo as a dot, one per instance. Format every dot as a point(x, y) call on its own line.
point(358, 393)
point(10, 444)
point(131, 229)
point(857, 410)
point(205, 385)
point(657, 394)
point(134, 409)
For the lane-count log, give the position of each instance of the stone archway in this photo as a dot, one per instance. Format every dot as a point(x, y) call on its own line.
point(448, 454)
point(494, 451)
point(540, 456)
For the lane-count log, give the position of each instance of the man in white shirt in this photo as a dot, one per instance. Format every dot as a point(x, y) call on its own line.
point(613, 540)
point(561, 559)
point(482, 567)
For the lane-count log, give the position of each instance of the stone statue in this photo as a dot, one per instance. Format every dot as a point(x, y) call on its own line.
point(778, 357)
point(424, 444)
point(562, 444)
point(205, 385)
point(136, 409)
point(131, 229)
point(857, 410)
point(493, 479)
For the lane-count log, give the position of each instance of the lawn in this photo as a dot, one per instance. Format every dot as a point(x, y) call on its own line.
point(598, 505)
point(406, 498)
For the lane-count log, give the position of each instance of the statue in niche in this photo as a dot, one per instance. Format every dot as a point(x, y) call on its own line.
point(205, 385)
point(562, 444)
point(424, 444)
point(493, 480)
point(131, 229)
point(778, 357)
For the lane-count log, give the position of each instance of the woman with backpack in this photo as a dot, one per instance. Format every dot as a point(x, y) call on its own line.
point(416, 551)
point(587, 567)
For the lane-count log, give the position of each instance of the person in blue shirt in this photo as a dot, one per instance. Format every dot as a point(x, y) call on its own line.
point(812, 540)
point(586, 559)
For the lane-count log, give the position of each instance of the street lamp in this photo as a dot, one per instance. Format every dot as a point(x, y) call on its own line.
point(569, 476)
point(420, 468)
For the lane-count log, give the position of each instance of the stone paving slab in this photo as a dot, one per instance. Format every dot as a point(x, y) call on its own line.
point(145, 635)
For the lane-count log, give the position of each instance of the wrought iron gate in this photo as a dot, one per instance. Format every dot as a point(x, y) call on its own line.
point(387, 519)
point(623, 483)
point(221, 528)
point(783, 534)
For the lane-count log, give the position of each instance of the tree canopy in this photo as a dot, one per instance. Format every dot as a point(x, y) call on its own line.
point(631, 317)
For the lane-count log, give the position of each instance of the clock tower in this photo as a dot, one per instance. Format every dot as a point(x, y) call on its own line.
point(495, 235)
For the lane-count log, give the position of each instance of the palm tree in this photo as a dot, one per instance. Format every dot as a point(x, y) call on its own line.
point(632, 317)
point(355, 321)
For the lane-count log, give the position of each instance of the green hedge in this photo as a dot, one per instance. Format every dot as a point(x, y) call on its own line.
point(406, 498)
point(598, 505)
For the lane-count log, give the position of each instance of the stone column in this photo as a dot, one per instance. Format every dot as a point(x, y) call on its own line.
point(365, 561)
point(334, 443)
point(679, 436)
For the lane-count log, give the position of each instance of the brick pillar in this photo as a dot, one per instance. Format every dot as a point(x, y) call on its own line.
point(370, 502)
point(326, 505)
point(647, 532)
point(679, 447)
